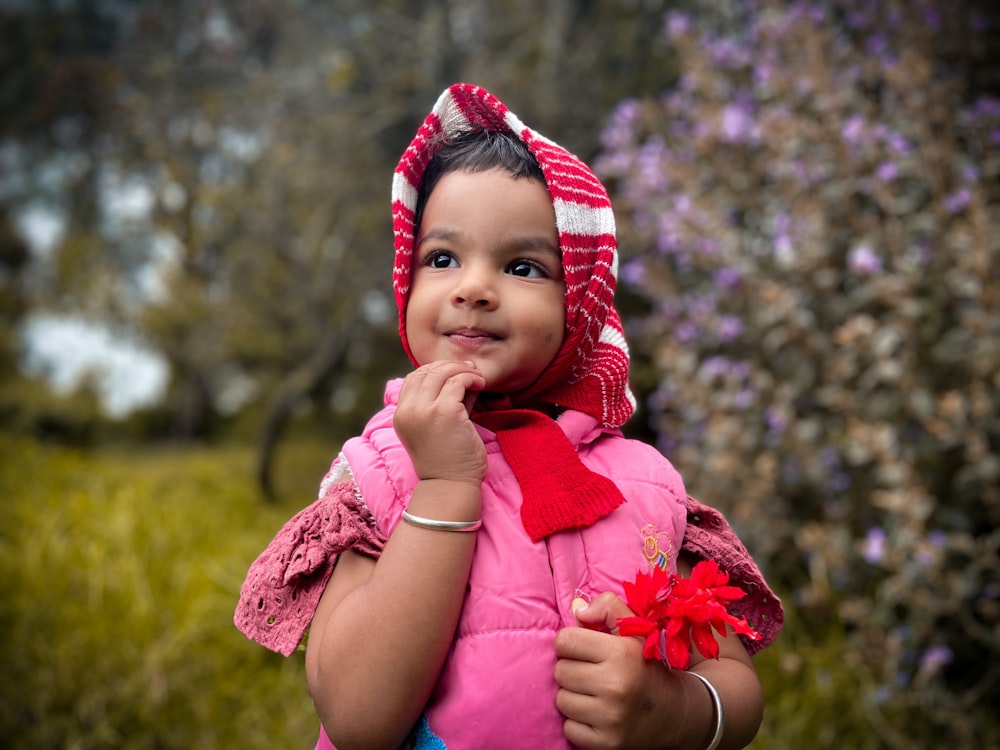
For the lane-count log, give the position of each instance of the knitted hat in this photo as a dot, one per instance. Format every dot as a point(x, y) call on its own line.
point(590, 371)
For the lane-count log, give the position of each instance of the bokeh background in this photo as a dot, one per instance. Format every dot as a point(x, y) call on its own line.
point(195, 311)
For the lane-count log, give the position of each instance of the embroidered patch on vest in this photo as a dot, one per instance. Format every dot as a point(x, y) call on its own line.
point(658, 547)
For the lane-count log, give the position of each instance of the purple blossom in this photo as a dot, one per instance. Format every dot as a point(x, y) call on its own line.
point(678, 24)
point(702, 306)
point(709, 246)
point(715, 367)
point(863, 261)
point(816, 13)
point(633, 272)
point(670, 309)
point(651, 157)
point(612, 163)
point(877, 44)
point(900, 145)
point(935, 658)
point(881, 133)
point(628, 111)
point(873, 549)
point(727, 277)
point(986, 106)
point(932, 17)
point(669, 243)
point(686, 332)
point(730, 328)
point(801, 172)
point(763, 73)
point(738, 125)
point(775, 421)
point(887, 171)
point(743, 398)
point(857, 19)
point(853, 129)
point(621, 127)
point(957, 200)
point(726, 53)
point(784, 249)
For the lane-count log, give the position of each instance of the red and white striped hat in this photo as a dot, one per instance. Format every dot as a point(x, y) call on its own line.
point(590, 371)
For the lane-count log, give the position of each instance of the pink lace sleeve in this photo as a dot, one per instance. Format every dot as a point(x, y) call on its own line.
point(709, 536)
point(283, 586)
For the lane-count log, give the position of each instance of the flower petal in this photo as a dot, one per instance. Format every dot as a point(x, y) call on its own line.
point(678, 653)
point(705, 641)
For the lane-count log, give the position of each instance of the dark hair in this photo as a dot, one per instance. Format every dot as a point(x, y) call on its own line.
point(477, 151)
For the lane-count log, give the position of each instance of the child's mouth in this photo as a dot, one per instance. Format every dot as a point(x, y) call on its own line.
point(471, 339)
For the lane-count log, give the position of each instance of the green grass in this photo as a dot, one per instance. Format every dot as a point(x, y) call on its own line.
point(119, 572)
point(118, 579)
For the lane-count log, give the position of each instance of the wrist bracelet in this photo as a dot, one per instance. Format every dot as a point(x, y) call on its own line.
point(720, 722)
point(435, 525)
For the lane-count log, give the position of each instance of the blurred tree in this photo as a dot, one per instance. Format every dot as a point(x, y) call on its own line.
point(224, 169)
point(14, 257)
point(55, 85)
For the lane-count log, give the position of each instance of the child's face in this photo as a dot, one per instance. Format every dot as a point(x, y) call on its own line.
point(487, 281)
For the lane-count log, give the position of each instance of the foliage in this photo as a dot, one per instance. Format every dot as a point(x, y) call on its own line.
point(814, 220)
point(223, 195)
point(219, 173)
point(29, 408)
point(118, 580)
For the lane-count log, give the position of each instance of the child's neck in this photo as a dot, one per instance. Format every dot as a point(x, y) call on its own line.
point(487, 402)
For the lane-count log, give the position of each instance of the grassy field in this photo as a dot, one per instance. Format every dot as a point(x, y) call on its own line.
point(120, 572)
point(119, 578)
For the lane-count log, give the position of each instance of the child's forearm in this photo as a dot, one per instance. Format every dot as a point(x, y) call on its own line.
point(742, 698)
point(382, 633)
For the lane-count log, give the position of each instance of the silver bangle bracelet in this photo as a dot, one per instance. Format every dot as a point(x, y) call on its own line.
point(720, 722)
point(435, 525)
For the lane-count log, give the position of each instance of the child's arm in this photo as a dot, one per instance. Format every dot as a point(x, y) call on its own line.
point(614, 698)
point(382, 629)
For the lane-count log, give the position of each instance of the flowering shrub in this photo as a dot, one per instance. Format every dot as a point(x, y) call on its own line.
point(812, 216)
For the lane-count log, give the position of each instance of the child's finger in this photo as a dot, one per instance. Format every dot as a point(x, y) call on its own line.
point(452, 379)
point(602, 613)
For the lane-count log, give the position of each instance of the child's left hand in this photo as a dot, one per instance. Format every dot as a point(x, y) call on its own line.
point(610, 695)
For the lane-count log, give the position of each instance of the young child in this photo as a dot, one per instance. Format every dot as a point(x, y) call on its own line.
point(461, 573)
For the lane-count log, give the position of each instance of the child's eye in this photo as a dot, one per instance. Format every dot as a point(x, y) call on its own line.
point(527, 269)
point(440, 259)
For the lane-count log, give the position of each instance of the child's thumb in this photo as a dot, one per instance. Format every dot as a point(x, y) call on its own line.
point(602, 613)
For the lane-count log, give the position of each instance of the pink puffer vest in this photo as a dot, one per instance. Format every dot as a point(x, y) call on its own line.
point(497, 689)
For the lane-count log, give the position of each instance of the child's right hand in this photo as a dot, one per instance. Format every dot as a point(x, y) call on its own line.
point(432, 421)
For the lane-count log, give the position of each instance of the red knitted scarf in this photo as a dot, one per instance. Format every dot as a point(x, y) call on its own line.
point(590, 371)
point(558, 491)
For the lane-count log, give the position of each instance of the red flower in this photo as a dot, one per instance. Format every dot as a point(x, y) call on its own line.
point(648, 597)
point(673, 612)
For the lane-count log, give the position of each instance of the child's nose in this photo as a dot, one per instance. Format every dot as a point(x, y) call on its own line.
point(475, 288)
